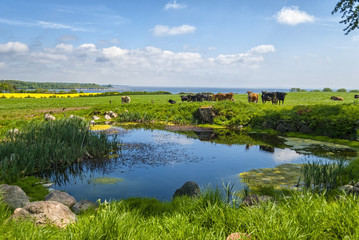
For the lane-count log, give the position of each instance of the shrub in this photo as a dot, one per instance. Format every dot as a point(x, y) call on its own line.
point(341, 90)
point(327, 90)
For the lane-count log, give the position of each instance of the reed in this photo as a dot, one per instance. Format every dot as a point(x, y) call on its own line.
point(52, 145)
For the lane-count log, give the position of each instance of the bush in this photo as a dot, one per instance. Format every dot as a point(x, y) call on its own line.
point(327, 90)
point(341, 90)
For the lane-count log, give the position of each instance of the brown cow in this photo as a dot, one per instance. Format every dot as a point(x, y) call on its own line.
point(356, 96)
point(252, 97)
point(337, 98)
point(125, 99)
point(223, 96)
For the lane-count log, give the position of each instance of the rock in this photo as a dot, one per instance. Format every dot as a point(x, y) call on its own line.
point(239, 236)
point(281, 128)
point(346, 188)
point(49, 117)
point(95, 117)
point(107, 117)
point(305, 129)
point(14, 131)
point(189, 189)
point(61, 197)
point(13, 196)
point(207, 114)
point(251, 200)
point(46, 212)
point(83, 205)
point(265, 198)
point(112, 114)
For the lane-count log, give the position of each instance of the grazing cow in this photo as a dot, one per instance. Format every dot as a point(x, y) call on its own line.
point(356, 96)
point(125, 99)
point(337, 98)
point(172, 101)
point(199, 97)
point(281, 96)
point(252, 97)
point(269, 96)
point(184, 98)
point(223, 96)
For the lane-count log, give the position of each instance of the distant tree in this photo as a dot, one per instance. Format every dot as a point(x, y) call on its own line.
point(72, 91)
point(341, 90)
point(354, 90)
point(350, 14)
point(327, 90)
point(295, 90)
point(315, 90)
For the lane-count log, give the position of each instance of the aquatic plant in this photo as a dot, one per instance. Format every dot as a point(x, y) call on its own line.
point(324, 175)
point(52, 145)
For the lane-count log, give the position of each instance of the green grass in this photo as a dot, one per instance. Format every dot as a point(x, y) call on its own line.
point(299, 216)
point(50, 146)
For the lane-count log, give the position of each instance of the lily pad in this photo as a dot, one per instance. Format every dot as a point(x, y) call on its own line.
point(106, 180)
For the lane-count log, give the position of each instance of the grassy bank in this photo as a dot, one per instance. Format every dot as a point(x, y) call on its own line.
point(299, 216)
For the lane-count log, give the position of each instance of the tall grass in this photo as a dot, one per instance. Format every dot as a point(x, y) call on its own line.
point(52, 145)
point(300, 216)
point(325, 176)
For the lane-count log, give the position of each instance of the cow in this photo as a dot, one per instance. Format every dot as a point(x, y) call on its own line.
point(199, 97)
point(356, 96)
point(281, 96)
point(252, 97)
point(125, 99)
point(269, 96)
point(222, 96)
point(172, 101)
point(337, 98)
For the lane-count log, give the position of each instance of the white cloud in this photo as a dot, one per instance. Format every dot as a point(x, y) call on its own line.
point(355, 38)
point(262, 49)
point(293, 16)
point(174, 5)
point(251, 58)
point(13, 47)
point(163, 30)
point(149, 65)
point(3, 65)
point(285, 155)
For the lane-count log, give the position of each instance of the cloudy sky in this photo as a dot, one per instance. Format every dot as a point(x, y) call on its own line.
point(227, 43)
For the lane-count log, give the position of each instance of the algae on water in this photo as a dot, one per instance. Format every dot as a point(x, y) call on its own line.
point(106, 180)
point(282, 176)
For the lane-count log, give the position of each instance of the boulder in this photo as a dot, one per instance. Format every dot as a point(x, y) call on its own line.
point(251, 200)
point(49, 117)
point(95, 117)
point(61, 197)
point(112, 114)
point(188, 189)
point(13, 196)
point(83, 205)
point(207, 114)
point(281, 128)
point(305, 129)
point(107, 117)
point(46, 212)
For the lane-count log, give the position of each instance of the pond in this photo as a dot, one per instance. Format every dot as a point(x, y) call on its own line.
point(154, 163)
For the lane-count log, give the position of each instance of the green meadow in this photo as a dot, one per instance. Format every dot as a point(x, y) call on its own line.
point(312, 213)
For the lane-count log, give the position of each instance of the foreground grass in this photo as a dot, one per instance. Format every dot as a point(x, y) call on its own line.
point(306, 216)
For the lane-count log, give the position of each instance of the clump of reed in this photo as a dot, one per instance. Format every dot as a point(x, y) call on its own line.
point(324, 175)
point(52, 145)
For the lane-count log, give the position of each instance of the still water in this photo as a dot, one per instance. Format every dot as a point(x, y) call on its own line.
point(154, 163)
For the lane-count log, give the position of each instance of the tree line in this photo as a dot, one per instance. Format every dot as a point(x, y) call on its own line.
point(42, 87)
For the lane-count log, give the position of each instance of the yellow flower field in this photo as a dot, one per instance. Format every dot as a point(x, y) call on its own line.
point(42, 95)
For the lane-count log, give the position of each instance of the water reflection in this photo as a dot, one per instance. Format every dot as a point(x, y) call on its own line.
point(153, 163)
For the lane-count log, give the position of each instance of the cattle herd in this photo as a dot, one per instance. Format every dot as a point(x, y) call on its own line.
point(274, 97)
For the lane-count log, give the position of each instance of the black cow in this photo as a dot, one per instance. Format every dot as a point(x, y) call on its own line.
point(281, 96)
point(269, 96)
point(184, 98)
point(356, 96)
point(199, 97)
point(172, 101)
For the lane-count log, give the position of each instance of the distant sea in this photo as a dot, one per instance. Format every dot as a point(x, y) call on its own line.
point(176, 90)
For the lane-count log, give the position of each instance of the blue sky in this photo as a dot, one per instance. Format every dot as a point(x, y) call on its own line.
point(227, 43)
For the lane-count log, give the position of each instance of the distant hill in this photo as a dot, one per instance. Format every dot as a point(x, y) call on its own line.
point(15, 84)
